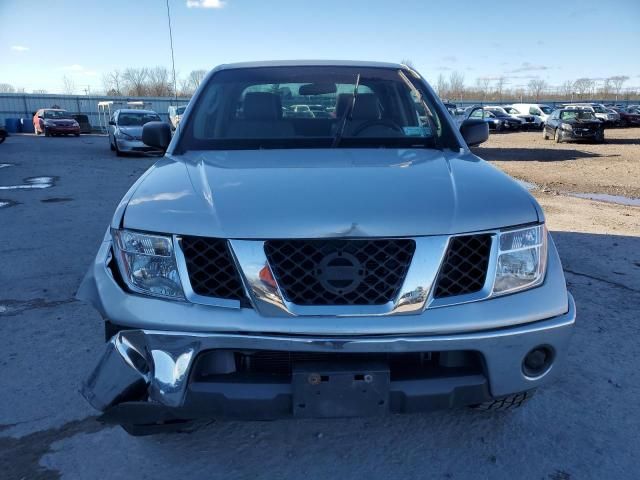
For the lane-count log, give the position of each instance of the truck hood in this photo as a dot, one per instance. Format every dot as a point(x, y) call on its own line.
point(325, 193)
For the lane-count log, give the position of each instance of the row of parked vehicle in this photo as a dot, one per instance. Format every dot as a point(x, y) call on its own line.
point(520, 116)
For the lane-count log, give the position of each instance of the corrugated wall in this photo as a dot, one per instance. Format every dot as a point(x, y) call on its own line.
point(18, 105)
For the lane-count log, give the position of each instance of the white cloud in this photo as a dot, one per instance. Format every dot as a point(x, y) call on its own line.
point(90, 73)
point(206, 3)
point(19, 48)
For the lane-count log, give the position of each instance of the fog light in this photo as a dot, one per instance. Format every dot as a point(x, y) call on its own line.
point(538, 361)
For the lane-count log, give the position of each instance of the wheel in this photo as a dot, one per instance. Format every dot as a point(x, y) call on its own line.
point(600, 137)
point(545, 135)
point(111, 147)
point(508, 402)
point(2, 138)
point(47, 133)
point(557, 136)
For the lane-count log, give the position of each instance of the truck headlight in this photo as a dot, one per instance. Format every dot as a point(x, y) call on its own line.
point(522, 259)
point(147, 263)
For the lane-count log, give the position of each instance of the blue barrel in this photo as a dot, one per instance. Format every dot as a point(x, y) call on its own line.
point(26, 125)
point(12, 125)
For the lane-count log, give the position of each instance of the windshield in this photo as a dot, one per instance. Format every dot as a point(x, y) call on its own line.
point(498, 113)
point(547, 110)
point(577, 115)
point(129, 119)
point(56, 114)
point(511, 110)
point(304, 107)
point(599, 109)
point(180, 110)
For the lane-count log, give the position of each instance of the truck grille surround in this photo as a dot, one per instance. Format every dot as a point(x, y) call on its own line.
point(340, 272)
point(337, 271)
point(464, 269)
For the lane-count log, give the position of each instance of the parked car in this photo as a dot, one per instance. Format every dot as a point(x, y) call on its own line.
point(83, 121)
point(55, 121)
point(598, 110)
point(125, 131)
point(538, 109)
point(534, 121)
point(370, 264)
point(175, 115)
point(528, 122)
point(573, 124)
point(497, 121)
point(628, 117)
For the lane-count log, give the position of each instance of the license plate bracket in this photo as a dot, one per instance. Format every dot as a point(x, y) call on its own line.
point(326, 391)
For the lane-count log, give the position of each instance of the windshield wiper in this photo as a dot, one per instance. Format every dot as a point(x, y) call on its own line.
point(346, 116)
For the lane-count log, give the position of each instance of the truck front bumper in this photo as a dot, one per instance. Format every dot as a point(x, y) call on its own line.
point(147, 376)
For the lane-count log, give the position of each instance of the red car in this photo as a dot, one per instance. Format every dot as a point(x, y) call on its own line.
point(628, 118)
point(55, 121)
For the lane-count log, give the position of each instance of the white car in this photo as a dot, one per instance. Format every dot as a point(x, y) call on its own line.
point(514, 112)
point(528, 121)
point(538, 109)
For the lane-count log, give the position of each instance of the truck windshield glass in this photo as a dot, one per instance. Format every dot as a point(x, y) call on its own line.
point(302, 107)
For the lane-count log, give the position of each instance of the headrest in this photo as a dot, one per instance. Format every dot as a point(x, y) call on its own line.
point(365, 108)
point(262, 106)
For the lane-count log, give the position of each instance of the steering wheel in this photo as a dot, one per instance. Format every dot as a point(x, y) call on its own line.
point(375, 123)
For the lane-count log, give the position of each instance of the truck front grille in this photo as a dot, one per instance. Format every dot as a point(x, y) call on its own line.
point(212, 271)
point(464, 269)
point(340, 272)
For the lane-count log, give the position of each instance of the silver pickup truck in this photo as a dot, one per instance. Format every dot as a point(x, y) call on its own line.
point(356, 261)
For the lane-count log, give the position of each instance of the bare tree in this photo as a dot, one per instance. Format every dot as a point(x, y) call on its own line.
point(583, 86)
point(500, 84)
point(68, 85)
point(456, 85)
point(617, 83)
point(483, 84)
point(605, 89)
point(407, 61)
point(113, 83)
point(441, 86)
point(39, 90)
point(135, 81)
point(159, 84)
point(6, 88)
point(536, 87)
point(195, 78)
point(566, 89)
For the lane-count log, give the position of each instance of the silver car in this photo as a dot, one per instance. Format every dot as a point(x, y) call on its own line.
point(364, 264)
point(125, 131)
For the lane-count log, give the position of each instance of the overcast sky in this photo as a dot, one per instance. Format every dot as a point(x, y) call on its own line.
point(41, 41)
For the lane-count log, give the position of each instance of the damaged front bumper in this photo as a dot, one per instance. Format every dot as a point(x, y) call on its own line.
point(147, 377)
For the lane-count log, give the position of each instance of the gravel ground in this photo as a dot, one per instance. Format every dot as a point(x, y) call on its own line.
point(584, 425)
point(612, 167)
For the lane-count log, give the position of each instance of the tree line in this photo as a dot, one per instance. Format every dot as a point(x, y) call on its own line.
point(487, 89)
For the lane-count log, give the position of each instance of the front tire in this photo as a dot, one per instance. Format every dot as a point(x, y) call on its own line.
point(47, 133)
point(557, 136)
point(545, 135)
point(118, 152)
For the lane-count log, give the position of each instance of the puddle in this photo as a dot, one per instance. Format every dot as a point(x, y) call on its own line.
point(31, 183)
point(603, 197)
point(527, 185)
point(7, 203)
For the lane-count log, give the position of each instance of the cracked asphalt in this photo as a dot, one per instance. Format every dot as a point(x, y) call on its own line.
point(584, 425)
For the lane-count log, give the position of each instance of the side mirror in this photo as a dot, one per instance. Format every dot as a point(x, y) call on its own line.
point(41, 116)
point(111, 122)
point(474, 131)
point(157, 134)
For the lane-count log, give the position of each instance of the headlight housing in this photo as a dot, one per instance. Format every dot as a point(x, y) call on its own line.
point(566, 126)
point(126, 136)
point(522, 259)
point(147, 263)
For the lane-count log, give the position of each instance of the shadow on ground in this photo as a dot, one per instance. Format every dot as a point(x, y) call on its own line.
point(534, 154)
